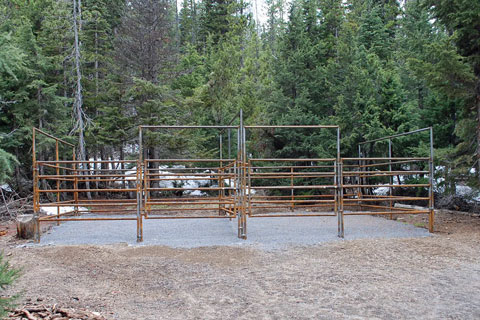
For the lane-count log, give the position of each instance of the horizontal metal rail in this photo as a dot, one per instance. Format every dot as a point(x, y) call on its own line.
point(53, 137)
point(291, 126)
point(188, 127)
point(292, 159)
point(188, 160)
point(392, 158)
point(396, 135)
point(365, 213)
point(238, 186)
point(291, 215)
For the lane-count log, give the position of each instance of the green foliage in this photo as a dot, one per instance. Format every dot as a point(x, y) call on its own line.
point(373, 67)
point(8, 275)
point(7, 162)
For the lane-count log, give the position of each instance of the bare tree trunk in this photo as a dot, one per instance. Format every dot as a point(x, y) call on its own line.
point(96, 110)
point(194, 21)
point(177, 27)
point(65, 83)
point(79, 6)
point(96, 64)
point(95, 172)
point(122, 165)
point(257, 20)
point(78, 103)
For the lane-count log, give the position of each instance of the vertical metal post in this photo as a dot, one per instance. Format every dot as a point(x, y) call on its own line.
point(229, 144)
point(292, 208)
point(239, 179)
point(75, 182)
point(244, 178)
point(141, 204)
point(242, 224)
point(341, 232)
point(139, 200)
point(221, 149)
point(235, 188)
point(144, 169)
point(230, 170)
point(36, 195)
point(140, 144)
point(57, 158)
point(390, 190)
point(359, 178)
point(146, 184)
point(249, 187)
point(431, 203)
point(34, 166)
point(335, 182)
point(221, 191)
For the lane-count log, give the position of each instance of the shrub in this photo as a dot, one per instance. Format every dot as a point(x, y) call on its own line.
point(7, 276)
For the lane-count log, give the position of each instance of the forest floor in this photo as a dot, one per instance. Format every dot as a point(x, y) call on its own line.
point(434, 277)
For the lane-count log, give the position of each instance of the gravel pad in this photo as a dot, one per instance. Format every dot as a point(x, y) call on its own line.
point(264, 233)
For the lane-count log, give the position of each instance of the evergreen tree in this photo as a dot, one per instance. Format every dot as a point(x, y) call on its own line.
point(462, 18)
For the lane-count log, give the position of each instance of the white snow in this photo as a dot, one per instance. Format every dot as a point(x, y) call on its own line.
point(196, 193)
point(52, 211)
point(467, 192)
point(382, 191)
point(6, 187)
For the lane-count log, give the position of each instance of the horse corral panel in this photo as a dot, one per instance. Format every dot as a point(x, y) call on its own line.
point(235, 187)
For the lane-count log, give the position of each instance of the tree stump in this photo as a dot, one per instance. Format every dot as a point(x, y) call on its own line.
point(25, 226)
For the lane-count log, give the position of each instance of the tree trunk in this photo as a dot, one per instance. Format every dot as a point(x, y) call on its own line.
point(78, 104)
point(25, 226)
point(122, 165)
point(96, 68)
point(194, 22)
point(95, 172)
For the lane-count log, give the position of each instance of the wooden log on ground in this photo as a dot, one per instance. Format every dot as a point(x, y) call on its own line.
point(25, 226)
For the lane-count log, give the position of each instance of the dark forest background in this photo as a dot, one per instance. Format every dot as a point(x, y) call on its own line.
point(91, 71)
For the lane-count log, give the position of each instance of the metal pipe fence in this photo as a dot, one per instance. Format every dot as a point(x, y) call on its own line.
point(237, 187)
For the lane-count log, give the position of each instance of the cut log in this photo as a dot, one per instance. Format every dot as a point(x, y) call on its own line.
point(25, 226)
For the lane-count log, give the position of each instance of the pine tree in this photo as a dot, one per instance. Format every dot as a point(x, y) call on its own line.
point(462, 18)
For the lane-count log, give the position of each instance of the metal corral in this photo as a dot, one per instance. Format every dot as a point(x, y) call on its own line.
point(236, 187)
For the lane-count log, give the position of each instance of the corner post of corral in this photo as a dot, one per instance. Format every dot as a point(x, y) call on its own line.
point(36, 194)
point(341, 232)
point(140, 187)
point(431, 196)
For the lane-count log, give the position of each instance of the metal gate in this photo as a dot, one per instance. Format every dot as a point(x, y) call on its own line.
point(294, 187)
point(237, 184)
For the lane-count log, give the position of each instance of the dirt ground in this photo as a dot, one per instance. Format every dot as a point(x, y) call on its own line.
point(429, 278)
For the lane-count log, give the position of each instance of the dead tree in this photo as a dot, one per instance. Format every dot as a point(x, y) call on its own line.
point(79, 115)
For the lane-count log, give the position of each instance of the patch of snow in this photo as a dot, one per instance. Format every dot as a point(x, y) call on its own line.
point(197, 193)
point(467, 192)
point(381, 191)
point(463, 190)
point(6, 187)
point(131, 175)
point(52, 211)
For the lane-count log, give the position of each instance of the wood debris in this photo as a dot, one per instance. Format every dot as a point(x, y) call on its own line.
point(37, 312)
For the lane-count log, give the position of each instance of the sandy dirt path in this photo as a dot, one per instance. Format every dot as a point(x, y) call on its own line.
point(429, 278)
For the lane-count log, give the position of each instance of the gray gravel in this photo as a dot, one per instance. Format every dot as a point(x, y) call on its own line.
point(263, 233)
